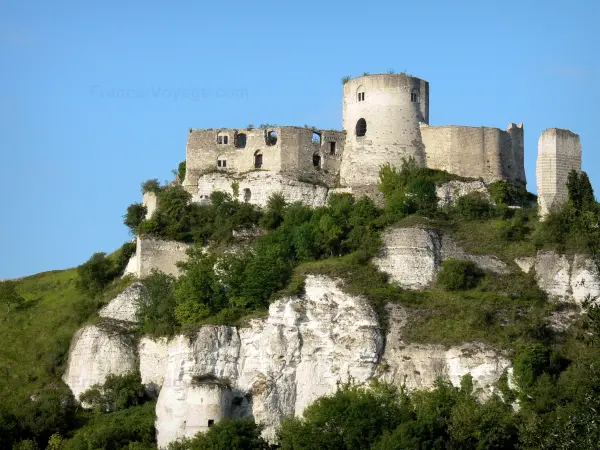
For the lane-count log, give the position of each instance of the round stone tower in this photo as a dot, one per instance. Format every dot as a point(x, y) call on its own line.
point(381, 116)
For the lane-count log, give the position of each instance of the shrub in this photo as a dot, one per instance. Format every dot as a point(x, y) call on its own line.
point(474, 206)
point(507, 193)
point(95, 274)
point(118, 392)
point(181, 171)
point(136, 212)
point(457, 275)
point(274, 212)
point(234, 434)
point(123, 255)
point(156, 305)
point(152, 185)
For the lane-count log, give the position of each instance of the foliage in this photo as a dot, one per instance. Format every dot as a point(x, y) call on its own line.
point(233, 434)
point(156, 305)
point(345, 79)
point(152, 185)
point(181, 171)
point(507, 193)
point(9, 295)
point(136, 213)
point(474, 206)
point(199, 292)
point(117, 392)
point(98, 271)
point(458, 275)
point(117, 430)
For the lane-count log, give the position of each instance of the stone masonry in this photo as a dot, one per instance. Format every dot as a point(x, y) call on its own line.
point(559, 152)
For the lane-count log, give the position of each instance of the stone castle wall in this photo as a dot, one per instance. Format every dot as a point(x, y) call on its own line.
point(476, 152)
point(559, 152)
point(160, 255)
point(392, 106)
point(300, 153)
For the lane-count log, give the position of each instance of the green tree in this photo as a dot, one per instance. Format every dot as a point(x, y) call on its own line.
point(9, 295)
point(233, 434)
point(136, 213)
point(458, 275)
point(199, 291)
point(152, 185)
point(118, 392)
point(581, 193)
point(95, 274)
point(156, 305)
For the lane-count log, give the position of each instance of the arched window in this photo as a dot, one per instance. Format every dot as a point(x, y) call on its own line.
point(271, 138)
point(414, 96)
point(316, 138)
point(361, 127)
point(258, 159)
point(222, 162)
point(222, 138)
point(247, 195)
point(240, 140)
point(360, 94)
point(317, 160)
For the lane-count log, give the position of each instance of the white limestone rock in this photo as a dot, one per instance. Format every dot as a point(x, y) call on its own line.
point(449, 193)
point(124, 307)
point(418, 365)
point(413, 256)
point(299, 353)
point(256, 188)
point(153, 360)
point(132, 267)
point(525, 263)
point(567, 279)
point(95, 353)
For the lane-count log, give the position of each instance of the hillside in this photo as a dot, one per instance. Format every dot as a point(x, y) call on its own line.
point(309, 298)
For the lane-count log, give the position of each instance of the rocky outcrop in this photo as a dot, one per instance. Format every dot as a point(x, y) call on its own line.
point(96, 352)
point(277, 365)
point(413, 256)
point(449, 193)
point(418, 365)
point(124, 306)
point(572, 279)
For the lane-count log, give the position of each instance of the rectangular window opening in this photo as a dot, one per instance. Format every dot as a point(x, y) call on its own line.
point(211, 422)
point(332, 148)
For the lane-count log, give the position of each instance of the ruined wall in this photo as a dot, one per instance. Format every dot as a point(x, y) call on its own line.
point(289, 150)
point(160, 255)
point(207, 404)
point(559, 152)
point(476, 152)
point(392, 106)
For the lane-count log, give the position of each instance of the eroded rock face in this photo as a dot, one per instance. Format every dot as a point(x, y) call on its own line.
point(413, 256)
point(279, 365)
point(124, 306)
point(418, 365)
point(569, 279)
point(449, 193)
point(95, 353)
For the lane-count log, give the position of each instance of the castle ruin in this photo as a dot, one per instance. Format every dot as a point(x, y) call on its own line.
point(385, 119)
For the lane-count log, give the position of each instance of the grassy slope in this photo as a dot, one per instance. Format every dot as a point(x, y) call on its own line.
point(35, 338)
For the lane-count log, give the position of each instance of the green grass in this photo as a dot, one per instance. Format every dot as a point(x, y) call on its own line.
point(36, 336)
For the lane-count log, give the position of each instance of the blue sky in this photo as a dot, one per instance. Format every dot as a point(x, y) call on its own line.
point(97, 98)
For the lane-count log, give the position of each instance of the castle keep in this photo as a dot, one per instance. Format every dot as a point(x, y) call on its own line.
point(385, 119)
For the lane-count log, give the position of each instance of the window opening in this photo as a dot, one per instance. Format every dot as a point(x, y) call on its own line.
point(258, 160)
point(272, 137)
point(414, 96)
point(316, 138)
point(361, 127)
point(316, 160)
point(240, 140)
point(222, 139)
point(247, 195)
point(332, 148)
point(211, 422)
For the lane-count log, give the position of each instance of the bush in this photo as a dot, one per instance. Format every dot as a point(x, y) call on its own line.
point(181, 171)
point(123, 256)
point(152, 185)
point(95, 274)
point(507, 193)
point(118, 392)
point(136, 213)
point(457, 275)
point(474, 206)
point(156, 305)
point(232, 434)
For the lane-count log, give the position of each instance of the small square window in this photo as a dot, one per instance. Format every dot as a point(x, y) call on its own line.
point(211, 422)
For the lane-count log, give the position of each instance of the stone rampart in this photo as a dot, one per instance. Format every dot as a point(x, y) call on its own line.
point(155, 254)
